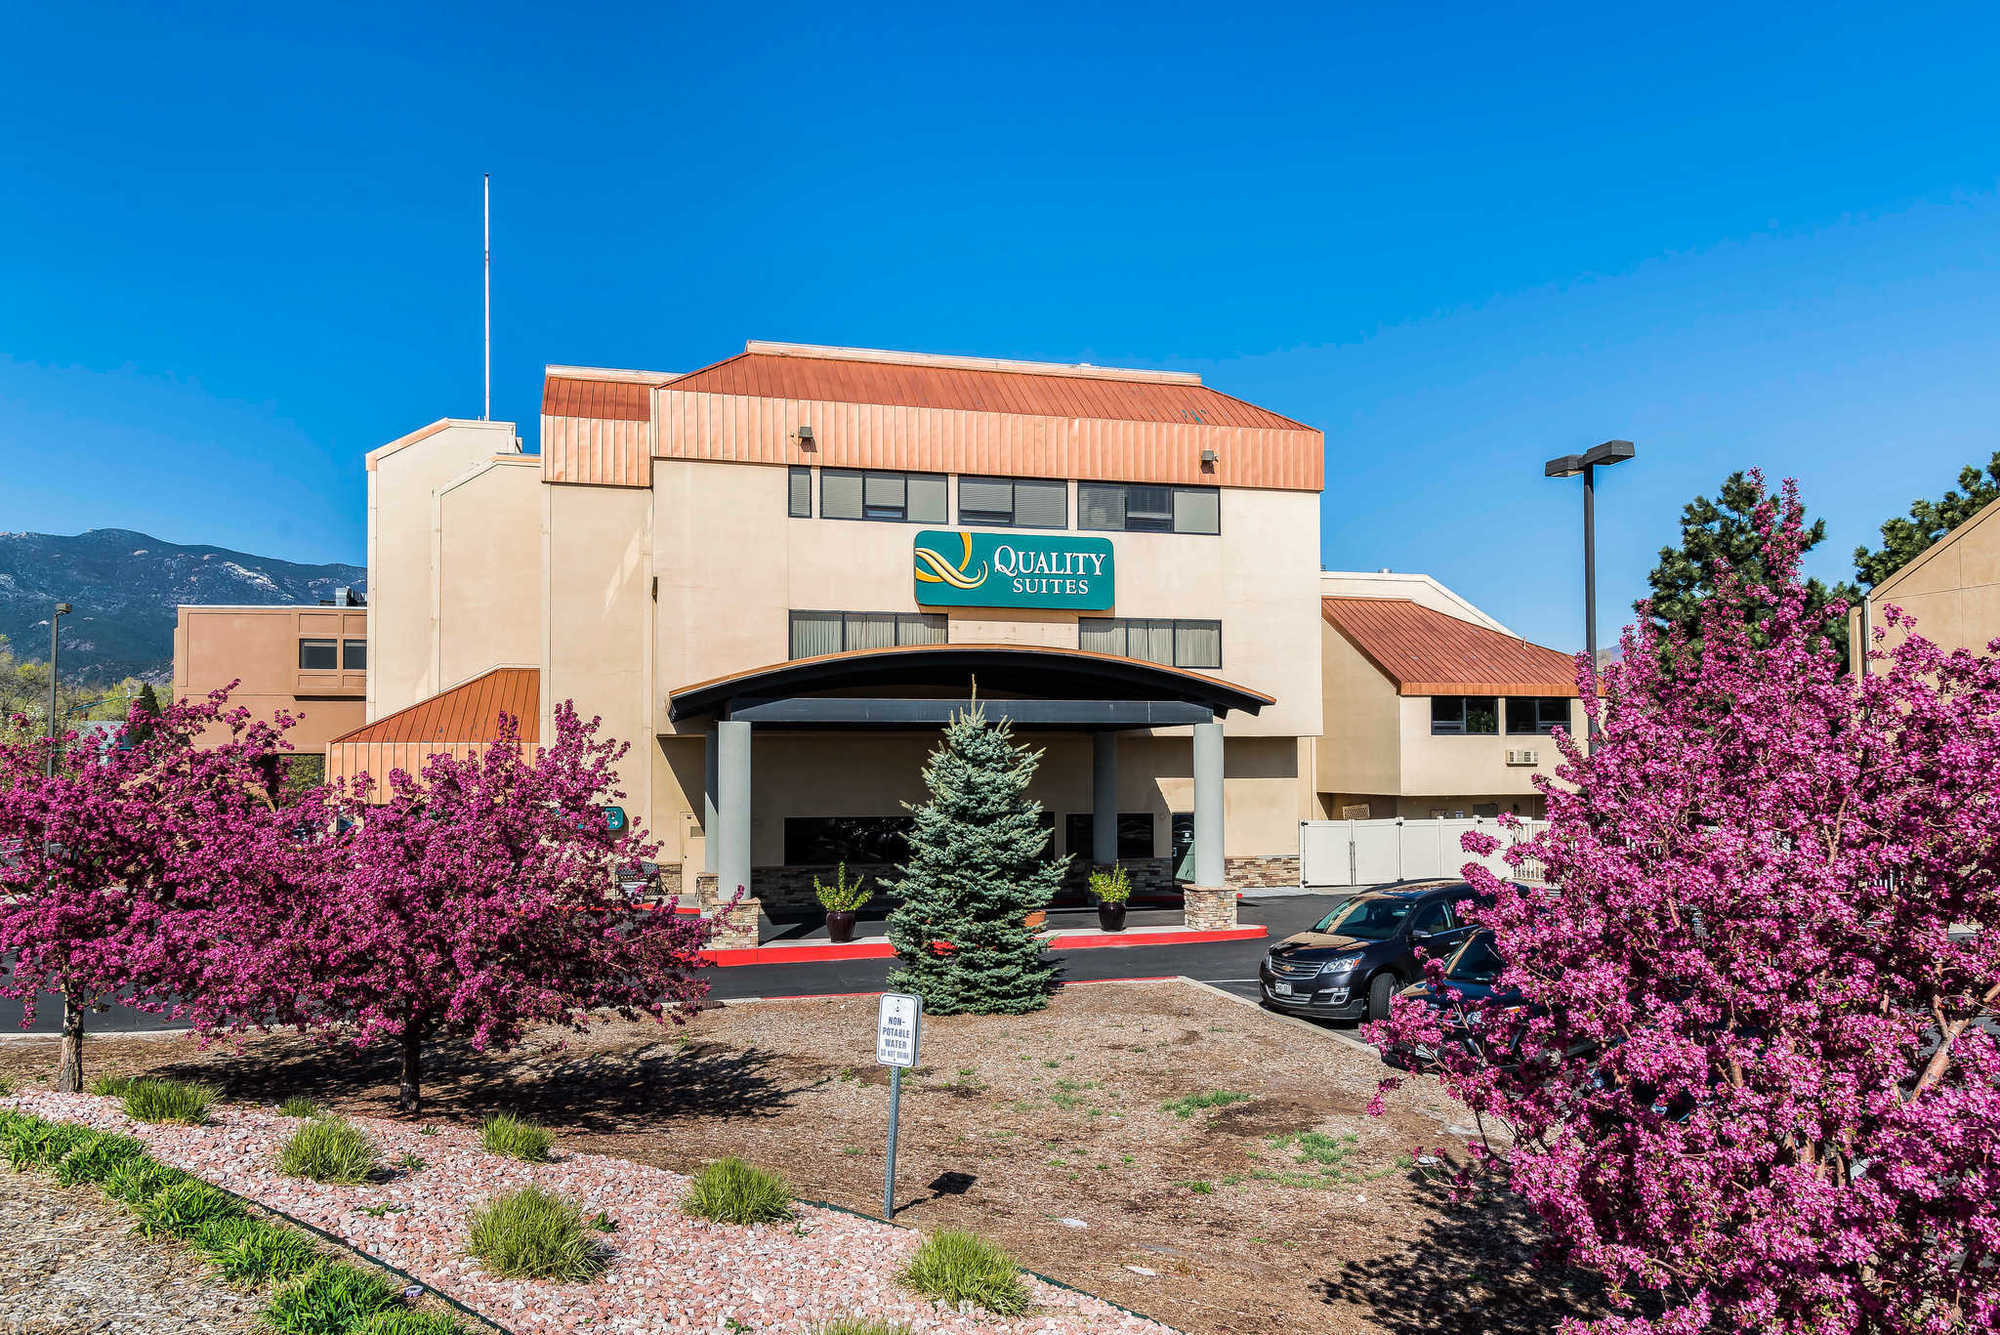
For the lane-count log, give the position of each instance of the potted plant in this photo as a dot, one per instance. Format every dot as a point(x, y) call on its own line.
point(1113, 887)
point(840, 900)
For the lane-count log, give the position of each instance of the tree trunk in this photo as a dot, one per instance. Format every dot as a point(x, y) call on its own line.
point(69, 1066)
point(407, 1096)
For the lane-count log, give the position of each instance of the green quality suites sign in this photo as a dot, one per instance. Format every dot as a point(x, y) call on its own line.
point(959, 568)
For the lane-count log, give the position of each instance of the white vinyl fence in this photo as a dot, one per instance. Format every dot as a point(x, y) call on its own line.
point(1339, 853)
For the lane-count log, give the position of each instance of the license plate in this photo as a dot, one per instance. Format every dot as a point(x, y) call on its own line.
point(1282, 989)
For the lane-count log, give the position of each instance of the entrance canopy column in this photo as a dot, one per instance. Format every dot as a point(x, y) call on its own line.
point(1104, 798)
point(1210, 903)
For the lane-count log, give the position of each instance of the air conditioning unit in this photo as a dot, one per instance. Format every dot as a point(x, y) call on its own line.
point(1523, 757)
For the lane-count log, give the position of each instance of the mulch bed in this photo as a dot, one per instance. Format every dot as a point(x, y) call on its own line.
point(1018, 1128)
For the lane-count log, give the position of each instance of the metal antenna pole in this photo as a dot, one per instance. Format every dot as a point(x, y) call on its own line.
point(487, 415)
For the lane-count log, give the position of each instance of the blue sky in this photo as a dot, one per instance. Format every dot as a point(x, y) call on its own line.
point(241, 247)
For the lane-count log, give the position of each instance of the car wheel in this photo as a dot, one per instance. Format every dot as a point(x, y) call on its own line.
point(1380, 989)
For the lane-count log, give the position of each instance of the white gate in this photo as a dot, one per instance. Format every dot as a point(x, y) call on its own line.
point(1340, 853)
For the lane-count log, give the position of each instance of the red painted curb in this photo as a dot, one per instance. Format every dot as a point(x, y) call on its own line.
point(878, 949)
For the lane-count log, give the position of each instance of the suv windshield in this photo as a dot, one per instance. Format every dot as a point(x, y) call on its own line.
point(1476, 962)
point(1367, 919)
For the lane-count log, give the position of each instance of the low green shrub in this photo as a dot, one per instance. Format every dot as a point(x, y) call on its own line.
point(530, 1234)
point(843, 896)
point(730, 1191)
point(137, 1180)
point(956, 1267)
point(255, 1252)
point(40, 1144)
point(328, 1149)
point(1112, 885)
point(181, 1208)
point(852, 1325)
point(92, 1160)
point(402, 1321)
point(110, 1086)
point(298, 1105)
point(152, 1100)
point(505, 1134)
point(330, 1299)
point(1187, 1105)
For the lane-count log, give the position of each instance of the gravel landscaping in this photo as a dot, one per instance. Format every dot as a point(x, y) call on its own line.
point(666, 1271)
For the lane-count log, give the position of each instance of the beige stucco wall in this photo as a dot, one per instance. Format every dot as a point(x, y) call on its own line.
point(1361, 749)
point(487, 570)
point(1455, 766)
point(403, 480)
point(1953, 589)
point(258, 648)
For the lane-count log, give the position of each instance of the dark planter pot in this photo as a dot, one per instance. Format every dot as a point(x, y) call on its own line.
point(839, 926)
point(1111, 917)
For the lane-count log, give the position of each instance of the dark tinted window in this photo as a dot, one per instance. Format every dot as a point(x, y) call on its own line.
point(1369, 919)
point(1476, 962)
point(825, 840)
point(1432, 918)
point(1465, 715)
point(354, 655)
point(800, 498)
point(319, 655)
point(1137, 507)
point(1135, 833)
point(1527, 715)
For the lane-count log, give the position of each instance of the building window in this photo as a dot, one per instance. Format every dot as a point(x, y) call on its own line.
point(800, 484)
point(1465, 716)
point(1020, 502)
point(1184, 644)
point(1136, 507)
point(855, 493)
point(1135, 833)
point(1532, 714)
point(319, 655)
point(812, 841)
point(354, 655)
point(815, 633)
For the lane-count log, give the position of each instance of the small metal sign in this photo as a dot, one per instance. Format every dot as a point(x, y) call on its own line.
point(899, 1027)
point(614, 819)
point(898, 1024)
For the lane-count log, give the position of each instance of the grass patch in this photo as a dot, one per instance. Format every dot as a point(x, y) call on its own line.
point(849, 1325)
point(182, 1208)
point(1187, 1105)
point(530, 1234)
point(109, 1086)
point(957, 1267)
point(329, 1299)
point(34, 1143)
point(730, 1191)
point(1320, 1161)
point(328, 1149)
point(137, 1180)
point(509, 1135)
point(93, 1159)
point(402, 1321)
point(255, 1252)
point(167, 1101)
point(298, 1105)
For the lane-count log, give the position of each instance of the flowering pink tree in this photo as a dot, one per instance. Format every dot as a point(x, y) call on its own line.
point(484, 899)
point(1753, 1088)
point(146, 870)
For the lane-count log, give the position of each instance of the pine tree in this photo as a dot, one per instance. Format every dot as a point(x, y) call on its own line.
point(1903, 540)
point(976, 870)
point(1714, 534)
point(144, 715)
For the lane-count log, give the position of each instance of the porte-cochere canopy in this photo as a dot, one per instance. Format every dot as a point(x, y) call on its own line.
point(919, 685)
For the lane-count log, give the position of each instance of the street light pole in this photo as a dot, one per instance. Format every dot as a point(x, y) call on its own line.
point(1587, 463)
point(55, 620)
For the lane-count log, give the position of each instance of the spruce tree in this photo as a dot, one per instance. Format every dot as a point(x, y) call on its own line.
point(976, 870)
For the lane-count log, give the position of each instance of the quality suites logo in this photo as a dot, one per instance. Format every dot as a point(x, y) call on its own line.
point(935, 569)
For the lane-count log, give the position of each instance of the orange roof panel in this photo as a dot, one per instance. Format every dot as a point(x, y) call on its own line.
point(1426, 652)
point(467, 713)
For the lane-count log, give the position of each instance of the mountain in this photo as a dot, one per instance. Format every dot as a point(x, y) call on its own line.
point(125, 587)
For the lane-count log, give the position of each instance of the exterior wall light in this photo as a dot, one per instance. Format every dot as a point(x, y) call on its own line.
point(806, 441)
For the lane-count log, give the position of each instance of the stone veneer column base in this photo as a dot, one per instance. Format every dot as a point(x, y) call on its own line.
point(736, 928)
point(1209, 908)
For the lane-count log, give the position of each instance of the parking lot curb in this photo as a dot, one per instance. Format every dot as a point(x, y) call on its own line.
point(1276, 1018)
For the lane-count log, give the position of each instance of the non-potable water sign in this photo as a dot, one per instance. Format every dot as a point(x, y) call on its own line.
point(898, 1026)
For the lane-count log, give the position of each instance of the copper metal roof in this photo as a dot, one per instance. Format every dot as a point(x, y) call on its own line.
point(827, 379)
point(1426, 652)
point(465, 713)
point(609, 400)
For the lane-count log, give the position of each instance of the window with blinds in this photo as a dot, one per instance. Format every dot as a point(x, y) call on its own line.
point(1138, 507)
point(801, 484)
point(815, 633)
point(857, 493)
point(1018, 502)
point(1170, 643)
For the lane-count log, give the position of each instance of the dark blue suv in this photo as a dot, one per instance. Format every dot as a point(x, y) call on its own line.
point(1352, 961)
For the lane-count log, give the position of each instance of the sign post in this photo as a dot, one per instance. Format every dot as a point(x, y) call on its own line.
point(899, 1024)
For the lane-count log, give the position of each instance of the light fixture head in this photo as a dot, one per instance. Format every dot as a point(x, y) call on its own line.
point(1208, 458)
point(1610, 452)
point(806, 437)
point(64, 609)
point(1567, 466)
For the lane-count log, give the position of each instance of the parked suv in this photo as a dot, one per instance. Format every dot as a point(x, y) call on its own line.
point(1352, 961)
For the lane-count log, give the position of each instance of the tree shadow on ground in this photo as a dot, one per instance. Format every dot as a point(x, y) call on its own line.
point(604, 1089)
point(1471, 1268)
